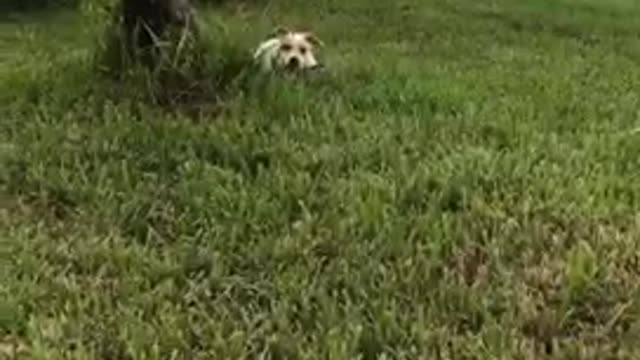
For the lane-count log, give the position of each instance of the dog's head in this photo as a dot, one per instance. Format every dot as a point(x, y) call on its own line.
point(295, 50)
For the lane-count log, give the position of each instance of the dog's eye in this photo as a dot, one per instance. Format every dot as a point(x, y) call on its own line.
point(303, 50)
point(286, 47)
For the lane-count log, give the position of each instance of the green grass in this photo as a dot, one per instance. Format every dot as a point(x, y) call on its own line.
point(461, 184)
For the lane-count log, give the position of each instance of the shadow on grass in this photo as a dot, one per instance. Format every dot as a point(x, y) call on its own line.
point(12, 11)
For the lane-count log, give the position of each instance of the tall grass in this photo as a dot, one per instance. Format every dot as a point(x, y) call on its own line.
point(460, 183)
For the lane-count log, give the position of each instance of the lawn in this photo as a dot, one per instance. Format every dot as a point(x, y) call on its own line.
point(462, 183)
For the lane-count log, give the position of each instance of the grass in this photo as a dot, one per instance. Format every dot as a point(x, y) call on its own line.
point(461, 184)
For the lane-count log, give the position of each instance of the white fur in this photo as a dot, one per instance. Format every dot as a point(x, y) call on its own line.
point(289, 50)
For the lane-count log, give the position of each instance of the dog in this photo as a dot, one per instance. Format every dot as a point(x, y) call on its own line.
point(288, 51)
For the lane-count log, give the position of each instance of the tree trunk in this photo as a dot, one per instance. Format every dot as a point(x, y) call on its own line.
point(146, 21)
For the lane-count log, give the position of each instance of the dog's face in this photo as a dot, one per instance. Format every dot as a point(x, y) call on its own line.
point(290, 51)
point(296, 51)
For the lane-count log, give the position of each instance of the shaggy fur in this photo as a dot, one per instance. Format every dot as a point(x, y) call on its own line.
point(289, 51)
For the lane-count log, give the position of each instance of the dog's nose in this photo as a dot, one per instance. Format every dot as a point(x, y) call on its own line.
point(293, 63)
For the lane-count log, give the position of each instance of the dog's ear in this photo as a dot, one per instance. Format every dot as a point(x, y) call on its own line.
point(279, 31)
point(313, 39)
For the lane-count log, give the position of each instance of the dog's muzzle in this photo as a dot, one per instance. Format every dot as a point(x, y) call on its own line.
point(293, 64)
